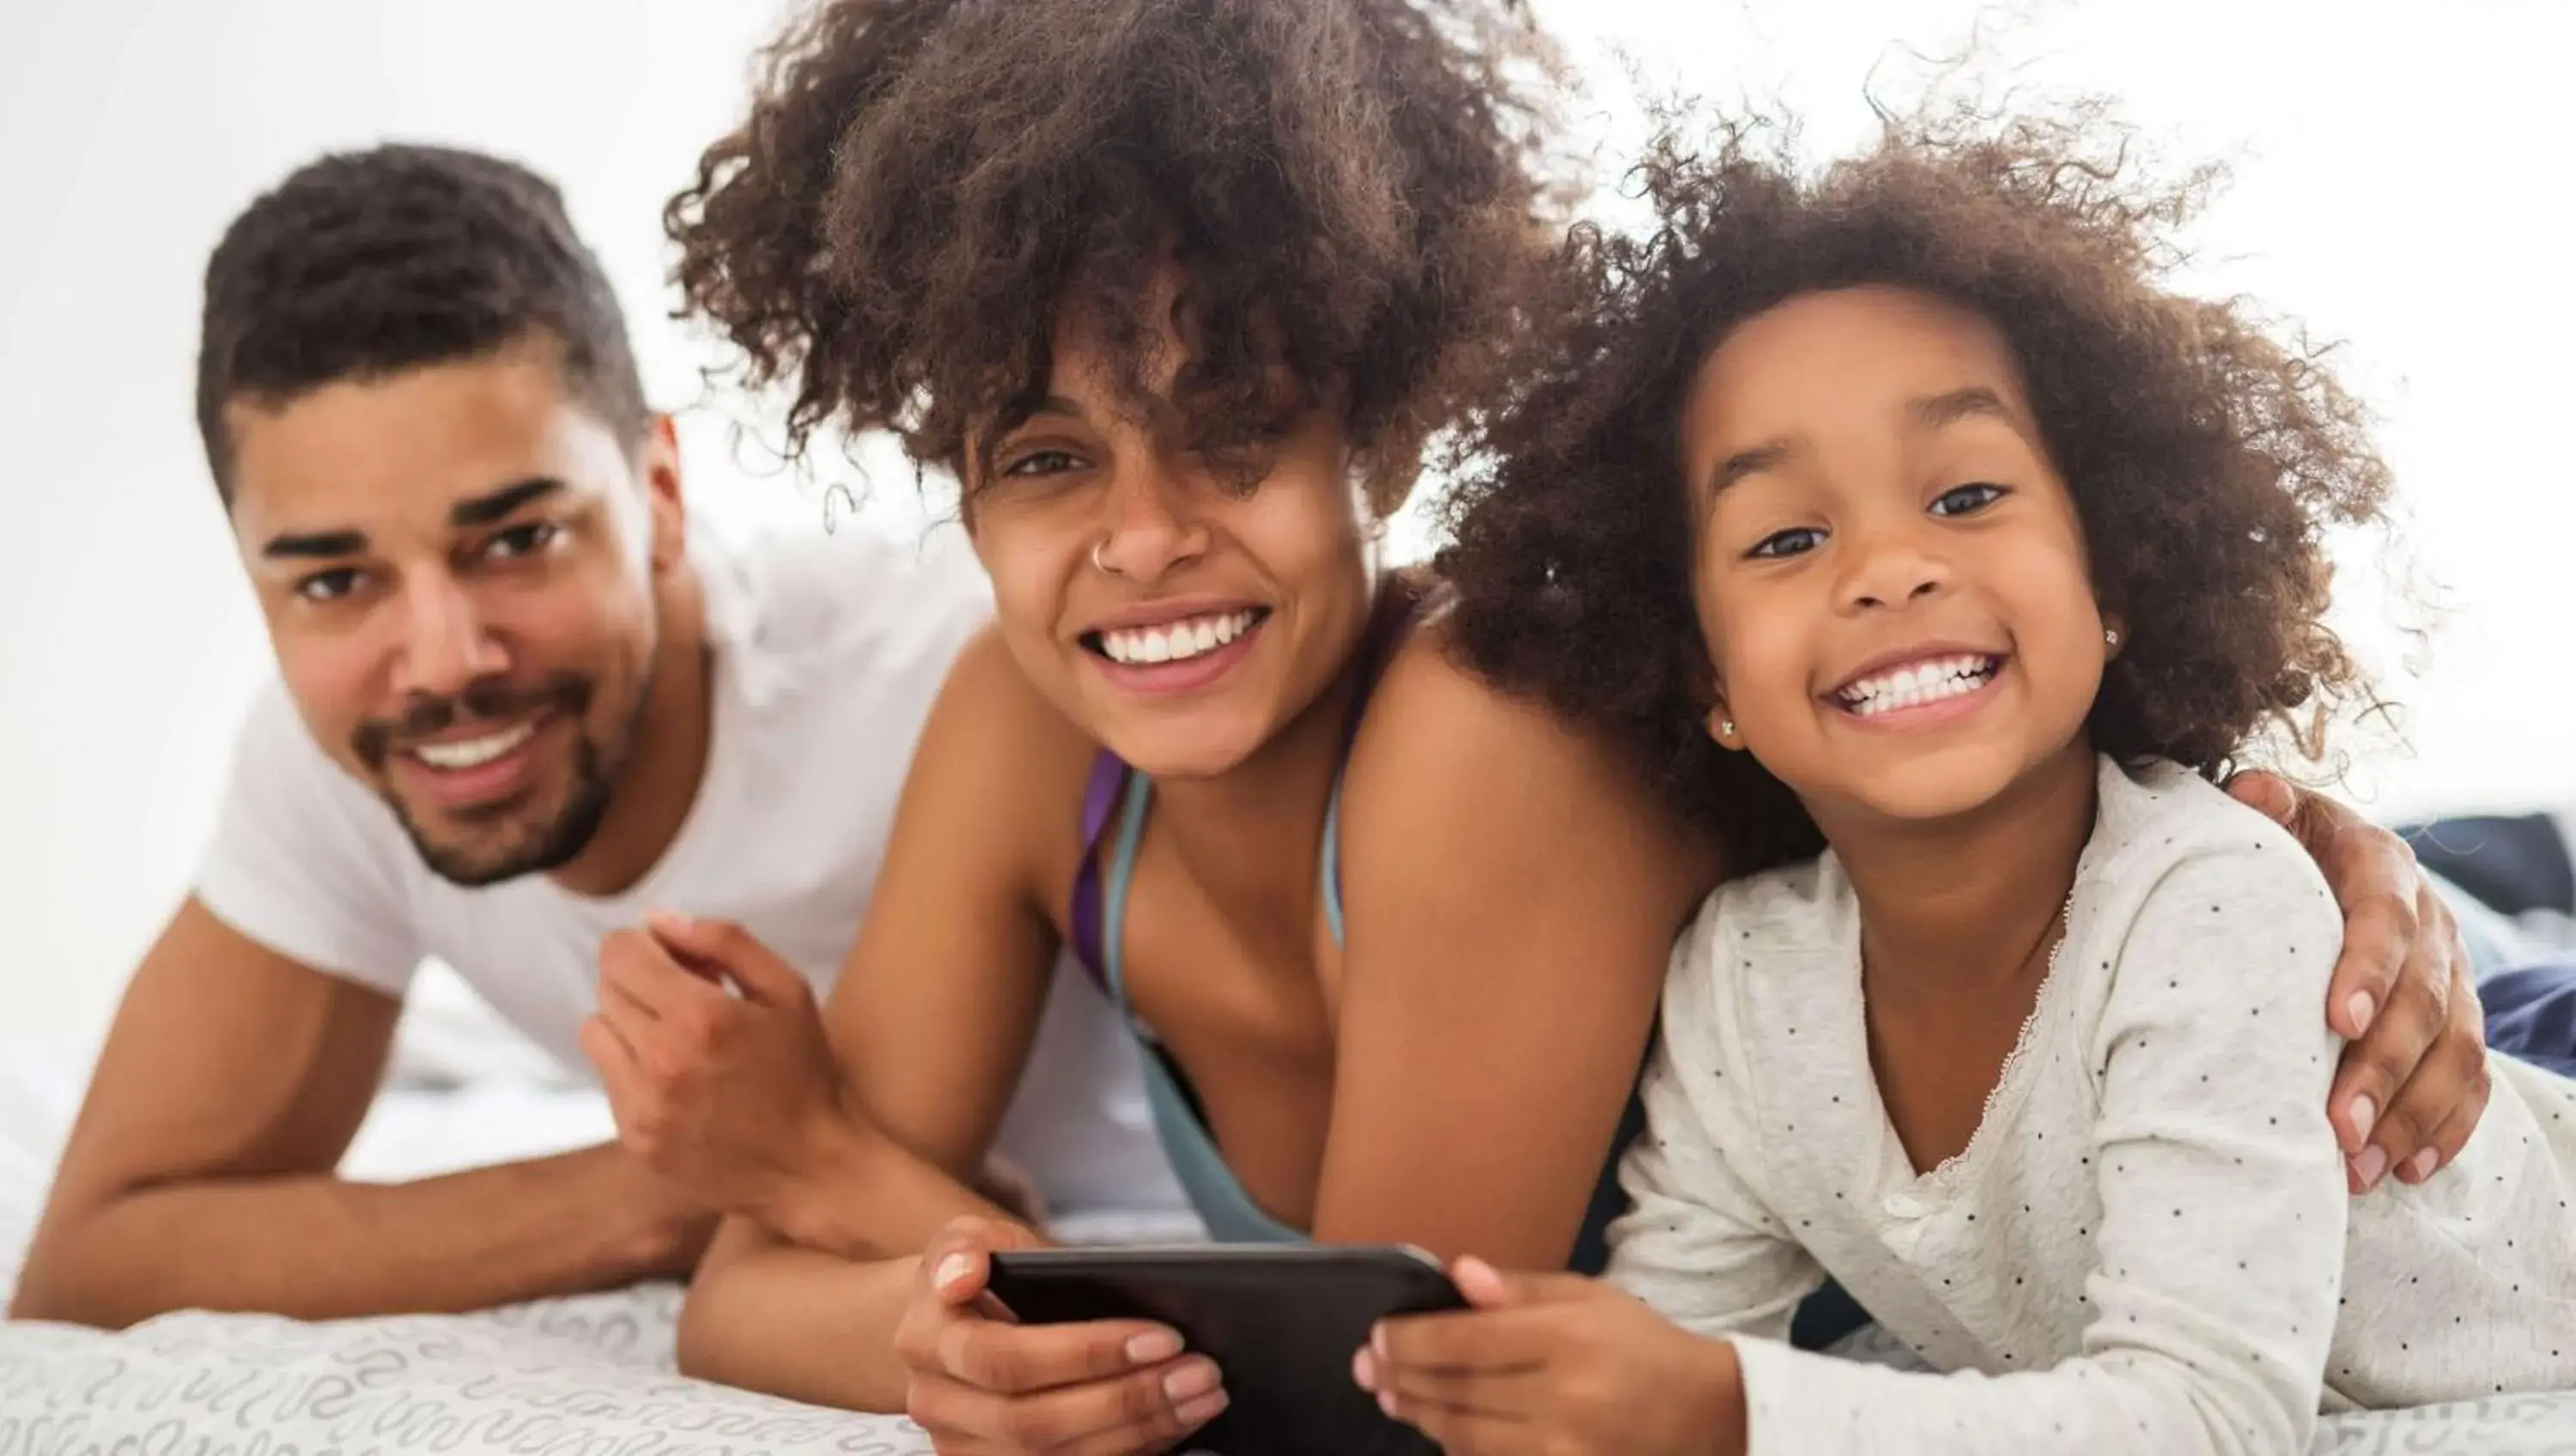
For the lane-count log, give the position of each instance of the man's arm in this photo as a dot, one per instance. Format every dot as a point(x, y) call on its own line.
point(199, 1173)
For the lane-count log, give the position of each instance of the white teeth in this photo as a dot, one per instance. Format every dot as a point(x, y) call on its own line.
point(473, 752)
point(1175, 641)
point(1910, 687)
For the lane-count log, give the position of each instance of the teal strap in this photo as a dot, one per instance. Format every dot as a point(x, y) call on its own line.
point(1333, 862)
point(1215, 1193)
point(1122, 869)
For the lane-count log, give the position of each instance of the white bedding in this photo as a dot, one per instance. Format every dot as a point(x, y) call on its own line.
point(587, 1376)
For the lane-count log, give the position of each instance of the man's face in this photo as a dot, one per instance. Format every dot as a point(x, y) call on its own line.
point(457, 564)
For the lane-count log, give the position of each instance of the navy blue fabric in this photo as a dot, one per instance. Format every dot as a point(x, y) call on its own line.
point(2531, 1014)
point(2515, 864)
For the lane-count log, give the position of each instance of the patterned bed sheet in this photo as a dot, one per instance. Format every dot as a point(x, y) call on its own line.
point(594, 1376)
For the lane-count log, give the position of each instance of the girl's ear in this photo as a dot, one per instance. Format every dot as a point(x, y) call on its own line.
point(1721, 726)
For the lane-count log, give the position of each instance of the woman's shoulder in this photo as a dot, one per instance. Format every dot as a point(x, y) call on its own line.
point(1454, 776)
point(998, 751)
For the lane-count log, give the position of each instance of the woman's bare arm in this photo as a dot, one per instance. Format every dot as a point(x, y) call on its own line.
point(1511, 893)
point(931, 1023)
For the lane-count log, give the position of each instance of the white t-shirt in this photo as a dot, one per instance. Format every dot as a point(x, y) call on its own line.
point(2147, 1245)
point(827, 651)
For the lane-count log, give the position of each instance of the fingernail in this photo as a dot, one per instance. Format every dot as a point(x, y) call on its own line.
point(1191, 1381)
point(952, 1269)
point(2362, 1008)
point(1364, 1370)
point(2421, 1165)
point(2365, 1110)
point(2367, 1167)
point(1153, 1347)
point(1203, 1410)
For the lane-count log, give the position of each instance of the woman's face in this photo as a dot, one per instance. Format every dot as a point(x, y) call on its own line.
point(1180, 619)
point(1890, 572)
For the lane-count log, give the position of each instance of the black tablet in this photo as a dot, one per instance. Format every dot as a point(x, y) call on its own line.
point(1282, 1322)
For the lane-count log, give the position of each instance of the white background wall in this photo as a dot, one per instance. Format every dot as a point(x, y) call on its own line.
point(2400, 184)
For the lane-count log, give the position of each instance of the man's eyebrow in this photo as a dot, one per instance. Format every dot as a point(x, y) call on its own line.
point(1748, 462)
point(483, 510)
point(302, 544)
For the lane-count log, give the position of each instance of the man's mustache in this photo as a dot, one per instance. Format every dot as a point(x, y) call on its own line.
point(483, 699)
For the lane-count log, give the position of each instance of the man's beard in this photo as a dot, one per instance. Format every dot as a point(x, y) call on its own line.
point(536, 848)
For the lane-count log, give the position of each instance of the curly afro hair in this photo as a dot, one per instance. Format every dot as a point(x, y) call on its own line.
point(2206, 459)
point(925, 189)
point(367, 263)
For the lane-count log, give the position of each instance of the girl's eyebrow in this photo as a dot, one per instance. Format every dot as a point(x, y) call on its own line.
point(1742, 463)
point(1974, 401)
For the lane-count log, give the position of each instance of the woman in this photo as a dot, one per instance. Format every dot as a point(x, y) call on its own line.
point(1179, 292)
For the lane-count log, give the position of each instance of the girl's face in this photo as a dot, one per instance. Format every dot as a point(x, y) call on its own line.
point(1889, 573)
point(1179, 620)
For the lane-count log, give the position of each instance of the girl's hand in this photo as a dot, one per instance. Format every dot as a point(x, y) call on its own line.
point(981, 1383)
point(1554, 1365)
point(2413, 1082)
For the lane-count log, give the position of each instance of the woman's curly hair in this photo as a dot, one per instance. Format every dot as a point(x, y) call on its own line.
point(924, 188)
point(2206, 459)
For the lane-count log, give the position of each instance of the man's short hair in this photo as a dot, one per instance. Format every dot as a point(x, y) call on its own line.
point(362, 264)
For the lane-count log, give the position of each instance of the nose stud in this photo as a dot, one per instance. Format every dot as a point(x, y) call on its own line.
point(1098, 565)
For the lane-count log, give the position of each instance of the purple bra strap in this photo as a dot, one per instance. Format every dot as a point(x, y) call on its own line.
point(1099, 802)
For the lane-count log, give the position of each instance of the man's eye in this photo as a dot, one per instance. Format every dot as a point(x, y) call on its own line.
point(1796, 541)
point(328, 586)
point(1963, 500)
point(522, 540)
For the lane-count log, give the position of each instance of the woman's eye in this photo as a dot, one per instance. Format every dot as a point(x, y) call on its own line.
point(1796, 541)
point(522, 540)
point(328, 586)
point(1044, 462)
point(1961, 500)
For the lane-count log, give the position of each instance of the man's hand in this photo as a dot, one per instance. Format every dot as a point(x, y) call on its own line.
point(1555, 1365)
point(715, 1061)
point(2413, 1082)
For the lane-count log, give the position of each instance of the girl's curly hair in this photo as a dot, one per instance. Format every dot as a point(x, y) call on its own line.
point(924, 188)
point(2206, 459)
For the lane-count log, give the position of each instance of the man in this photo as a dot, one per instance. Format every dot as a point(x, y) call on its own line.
point(520, 708)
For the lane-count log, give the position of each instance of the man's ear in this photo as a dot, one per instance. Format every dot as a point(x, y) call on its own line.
point(658, 467)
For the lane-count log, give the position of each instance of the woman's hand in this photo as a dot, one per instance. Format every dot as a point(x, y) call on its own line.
point(716, 1065)
point(981, 1383)
point(1555, 1365)
point(2413, 1082)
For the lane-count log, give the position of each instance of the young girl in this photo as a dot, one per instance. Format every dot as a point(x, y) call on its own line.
point(1997, 552)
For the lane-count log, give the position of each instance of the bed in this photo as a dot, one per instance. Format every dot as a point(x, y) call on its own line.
point(585, 1376)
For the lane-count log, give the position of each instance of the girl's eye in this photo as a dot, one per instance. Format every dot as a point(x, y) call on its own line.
point(1962, 500)
point(522, 540)
point(1796, 541)
point(328, 586)
point(1044, 462)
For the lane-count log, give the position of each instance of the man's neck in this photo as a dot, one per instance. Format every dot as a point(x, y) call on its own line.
point(658, 784)
point(1964, 903)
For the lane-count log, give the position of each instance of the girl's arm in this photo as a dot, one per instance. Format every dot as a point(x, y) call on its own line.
point(2219, 1255)
point(1511, 893)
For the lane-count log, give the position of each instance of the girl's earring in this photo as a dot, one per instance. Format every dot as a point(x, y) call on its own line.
point(1726, 728)
point(2110, 636)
